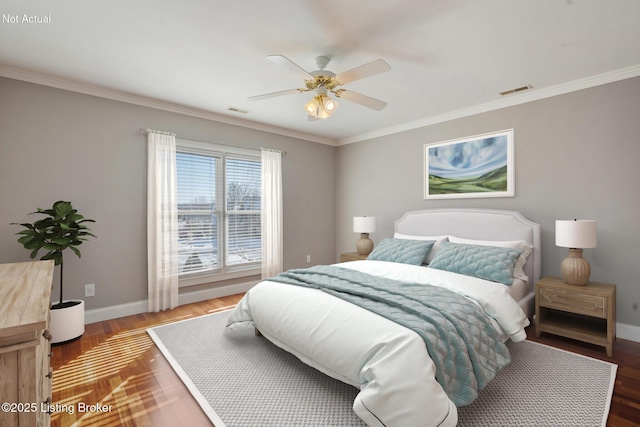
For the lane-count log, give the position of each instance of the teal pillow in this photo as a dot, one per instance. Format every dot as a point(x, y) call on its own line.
point(485, 262)
point(401, 250)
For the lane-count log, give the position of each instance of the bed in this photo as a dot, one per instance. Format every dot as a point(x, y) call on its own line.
point(411, 370)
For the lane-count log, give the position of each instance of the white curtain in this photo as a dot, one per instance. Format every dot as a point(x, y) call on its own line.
point(272, 258)
point(162, 221)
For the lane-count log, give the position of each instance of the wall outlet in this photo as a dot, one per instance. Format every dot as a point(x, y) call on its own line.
point(308, 258)
point(90, 290)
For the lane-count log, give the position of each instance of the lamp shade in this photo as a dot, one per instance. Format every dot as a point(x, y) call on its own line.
point(312, 106)
point(576, 234)
point(364, 224)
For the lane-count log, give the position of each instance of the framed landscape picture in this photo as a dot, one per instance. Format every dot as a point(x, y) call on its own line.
point(475, 166)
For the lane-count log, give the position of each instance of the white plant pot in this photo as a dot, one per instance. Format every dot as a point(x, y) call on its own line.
point(67, 323)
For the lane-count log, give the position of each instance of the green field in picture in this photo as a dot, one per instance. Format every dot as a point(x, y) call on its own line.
point(495, 180)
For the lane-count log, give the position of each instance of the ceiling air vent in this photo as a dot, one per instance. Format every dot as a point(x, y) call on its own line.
point(237, 110)
point(518, 89)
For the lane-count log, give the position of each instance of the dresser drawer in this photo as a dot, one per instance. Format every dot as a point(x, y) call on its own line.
point(574, 302)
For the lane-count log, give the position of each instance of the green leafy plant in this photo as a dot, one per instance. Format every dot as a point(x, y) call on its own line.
point(61, 229)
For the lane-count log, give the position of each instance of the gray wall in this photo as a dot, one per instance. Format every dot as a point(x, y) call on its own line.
point(56, 144)
point(59, 145)
point(577, 156)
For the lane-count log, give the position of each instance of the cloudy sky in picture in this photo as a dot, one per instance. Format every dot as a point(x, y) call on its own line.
point(468, 159)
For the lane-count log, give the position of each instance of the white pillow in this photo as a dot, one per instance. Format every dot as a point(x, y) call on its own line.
point(518, 271)
point(434, 249)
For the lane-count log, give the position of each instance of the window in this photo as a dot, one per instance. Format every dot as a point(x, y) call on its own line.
point(219, 202)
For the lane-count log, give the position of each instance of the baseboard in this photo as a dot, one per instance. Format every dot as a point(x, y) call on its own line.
point(137, 307)
point(628, 332)
point(221, 291)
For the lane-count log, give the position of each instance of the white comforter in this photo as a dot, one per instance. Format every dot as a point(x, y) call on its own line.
point(387, 362)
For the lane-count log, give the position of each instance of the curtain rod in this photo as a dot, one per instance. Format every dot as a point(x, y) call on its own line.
point(148, 131)
point(273, 150)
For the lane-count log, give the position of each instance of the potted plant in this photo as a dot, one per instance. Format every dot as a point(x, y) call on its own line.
point(62, 228)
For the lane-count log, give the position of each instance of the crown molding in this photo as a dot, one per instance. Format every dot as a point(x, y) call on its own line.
point(516, 99)
point(114, 95)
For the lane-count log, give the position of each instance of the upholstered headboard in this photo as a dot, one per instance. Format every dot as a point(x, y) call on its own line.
point(478, 224)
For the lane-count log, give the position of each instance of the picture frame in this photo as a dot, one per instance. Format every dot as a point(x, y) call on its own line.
point(471, 167)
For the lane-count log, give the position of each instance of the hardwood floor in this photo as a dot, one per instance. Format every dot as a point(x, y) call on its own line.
point(117, 366)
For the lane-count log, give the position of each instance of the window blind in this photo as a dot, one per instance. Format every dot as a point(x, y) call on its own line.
point(197, 212)
point(242, 177)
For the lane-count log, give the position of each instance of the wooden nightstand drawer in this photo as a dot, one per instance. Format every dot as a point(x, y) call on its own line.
point(351, 256)
point(574, 302)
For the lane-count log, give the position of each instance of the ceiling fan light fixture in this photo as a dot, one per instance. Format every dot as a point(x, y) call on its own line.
point(321, 107)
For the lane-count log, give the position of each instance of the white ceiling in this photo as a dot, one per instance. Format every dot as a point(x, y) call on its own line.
point(447, 57)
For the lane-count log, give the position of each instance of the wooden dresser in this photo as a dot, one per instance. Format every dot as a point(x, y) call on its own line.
point(25, 370)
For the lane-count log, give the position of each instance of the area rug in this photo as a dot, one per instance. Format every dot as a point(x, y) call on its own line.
point(241, 380)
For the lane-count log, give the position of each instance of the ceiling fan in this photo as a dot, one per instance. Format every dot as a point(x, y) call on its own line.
point(323, 81)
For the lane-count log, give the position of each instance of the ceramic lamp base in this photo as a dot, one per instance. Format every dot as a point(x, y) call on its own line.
point(575, 269)
point(364, 245)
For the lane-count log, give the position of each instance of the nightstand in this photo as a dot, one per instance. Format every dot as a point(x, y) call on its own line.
point(585, 313)
point(351, 256)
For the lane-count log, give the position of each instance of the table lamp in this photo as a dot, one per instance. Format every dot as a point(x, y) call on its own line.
point(364, 225)
point(575, 235)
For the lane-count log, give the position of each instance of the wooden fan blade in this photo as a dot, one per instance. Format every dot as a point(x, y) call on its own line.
point(363, 100)
point(292, 66)
point(367, 70)
point(274, 94)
